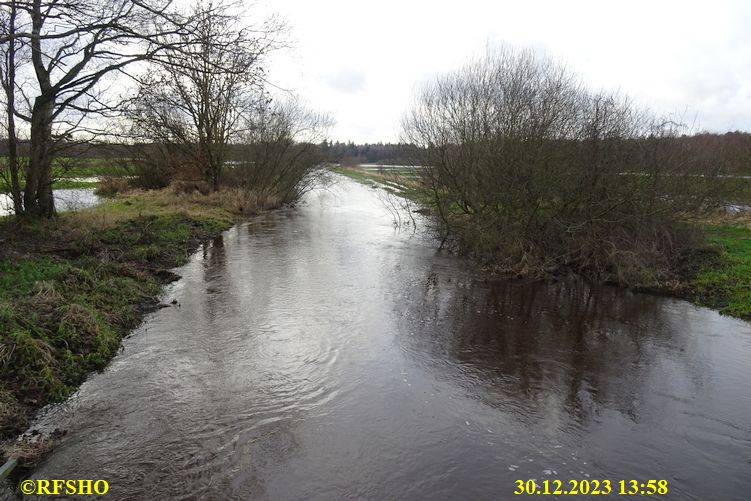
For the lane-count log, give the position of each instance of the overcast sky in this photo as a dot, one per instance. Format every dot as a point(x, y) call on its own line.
point(363, 61)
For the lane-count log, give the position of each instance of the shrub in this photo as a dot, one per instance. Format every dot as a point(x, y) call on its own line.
point(179, 187)
point(278, 157)
point(530, 172)
point(110, 186)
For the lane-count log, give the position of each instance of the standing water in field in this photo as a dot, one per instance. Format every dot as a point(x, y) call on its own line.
point(65, 199)
point(318, 353)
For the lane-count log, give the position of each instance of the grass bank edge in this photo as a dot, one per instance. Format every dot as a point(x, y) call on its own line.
point(723, 282)
point(70, 291)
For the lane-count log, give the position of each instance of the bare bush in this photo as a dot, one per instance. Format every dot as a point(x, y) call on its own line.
point(109, 186)
point(279, 154)
point(531, 172)
point(155, 165)
point(188, 187)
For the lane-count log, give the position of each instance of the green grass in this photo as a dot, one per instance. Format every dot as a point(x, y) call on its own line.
point(58, 184)
point(389, 180)
point(66, 170)
point(62, 328)
point(89, 167)
point(358, 175)
point(725, 283)
point(211, 215)
point(72, 167)
point(18, 278)
point(65, 184)
point(152, 238)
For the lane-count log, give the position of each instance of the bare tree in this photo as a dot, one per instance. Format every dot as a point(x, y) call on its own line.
point(75, 46)
point(199, 98)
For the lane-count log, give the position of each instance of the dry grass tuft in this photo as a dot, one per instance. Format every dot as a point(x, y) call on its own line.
point(12, 416)
point(109, 186)
point(241, 201)
point(30, 451)
point(179, 187)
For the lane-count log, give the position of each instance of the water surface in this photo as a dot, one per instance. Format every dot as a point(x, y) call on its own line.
point(65, 199)
point(318, 353)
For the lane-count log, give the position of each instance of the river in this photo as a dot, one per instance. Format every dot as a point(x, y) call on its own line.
point(320, 353)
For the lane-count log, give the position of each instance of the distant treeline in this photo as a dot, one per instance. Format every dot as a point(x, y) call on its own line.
point(347, 153)
point(733, 149)
point(350, 153)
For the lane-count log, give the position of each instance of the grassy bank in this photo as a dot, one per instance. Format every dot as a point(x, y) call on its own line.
point(717, 274)
point(397, 181)
point(70, 289)
point(89, 167)
point(58, 184)
point(724, 281)
point(359, 175)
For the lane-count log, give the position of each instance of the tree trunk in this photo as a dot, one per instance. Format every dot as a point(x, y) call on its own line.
point(213, 160)
point(10, 94)
point(15, 186)
point(216, 172)
point(38, 199)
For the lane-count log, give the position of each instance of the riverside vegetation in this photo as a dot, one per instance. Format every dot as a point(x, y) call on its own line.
point(69, 290)
point(534, 175)
point(713, 270)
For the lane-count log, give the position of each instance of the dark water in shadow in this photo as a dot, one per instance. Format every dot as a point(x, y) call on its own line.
point(320, 354)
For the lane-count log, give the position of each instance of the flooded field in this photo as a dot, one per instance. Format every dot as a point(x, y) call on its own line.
point(65, 199)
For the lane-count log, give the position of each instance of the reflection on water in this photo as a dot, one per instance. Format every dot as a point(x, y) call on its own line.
point(320, 354)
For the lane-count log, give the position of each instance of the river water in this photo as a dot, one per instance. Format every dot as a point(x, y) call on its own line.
point(319, 353)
